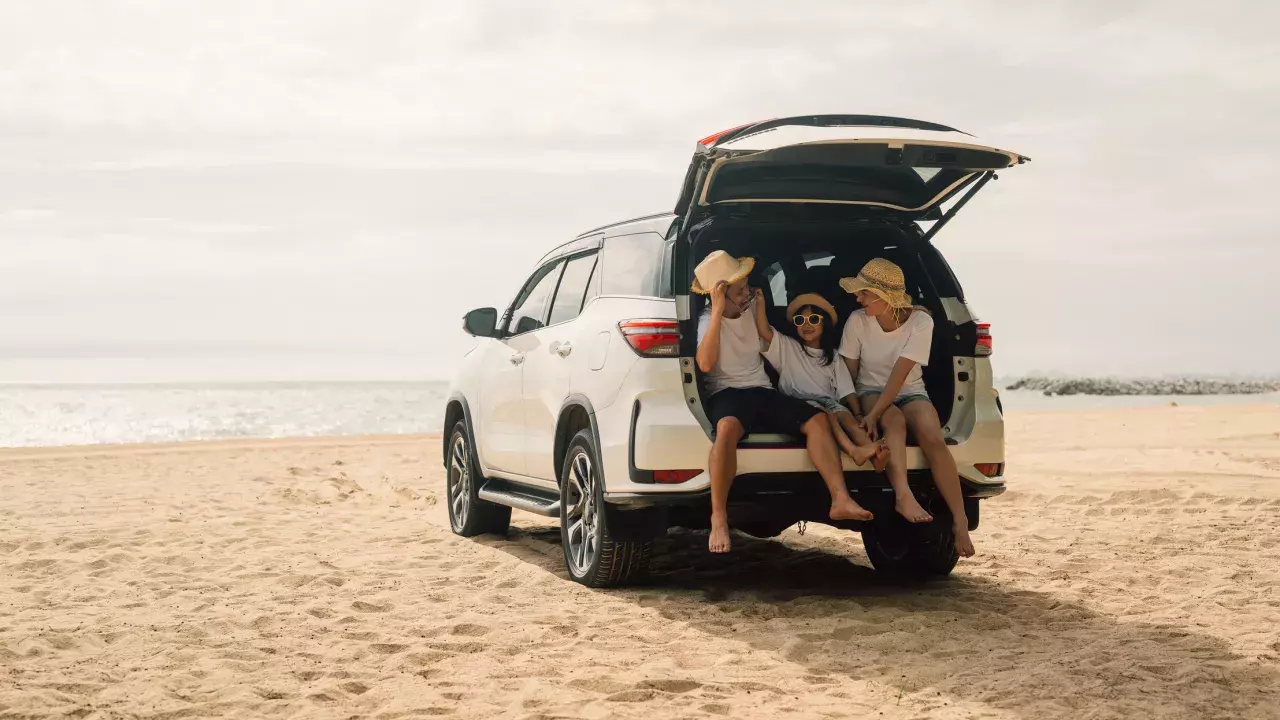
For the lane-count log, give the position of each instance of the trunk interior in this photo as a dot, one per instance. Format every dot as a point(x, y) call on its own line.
point(796, 255)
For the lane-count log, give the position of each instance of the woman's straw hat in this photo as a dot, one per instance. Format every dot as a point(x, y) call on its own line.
point(815, 300)
point(882, 278)
point(718, 266)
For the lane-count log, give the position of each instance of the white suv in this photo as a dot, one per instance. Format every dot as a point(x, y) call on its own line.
point(581, 400)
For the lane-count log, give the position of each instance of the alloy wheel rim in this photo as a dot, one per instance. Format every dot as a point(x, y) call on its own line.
point(583, 515)
point(459, 482)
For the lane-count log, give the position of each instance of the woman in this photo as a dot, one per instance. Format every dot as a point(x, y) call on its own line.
point(884, 345)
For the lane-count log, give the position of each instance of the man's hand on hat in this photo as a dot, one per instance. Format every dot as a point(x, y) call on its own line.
point(718, 297)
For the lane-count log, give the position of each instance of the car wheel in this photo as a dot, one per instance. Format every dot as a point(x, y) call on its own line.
point(592, 555)
point(468, 514)
point(913, 551)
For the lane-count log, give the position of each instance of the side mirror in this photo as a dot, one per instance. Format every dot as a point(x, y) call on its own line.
point(482, 322)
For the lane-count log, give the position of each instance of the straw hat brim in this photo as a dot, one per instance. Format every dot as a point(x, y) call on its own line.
point(815, 300)
point(895, 298)
point(745, 266)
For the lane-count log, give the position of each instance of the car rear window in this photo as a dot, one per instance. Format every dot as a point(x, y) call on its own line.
point(632, 265)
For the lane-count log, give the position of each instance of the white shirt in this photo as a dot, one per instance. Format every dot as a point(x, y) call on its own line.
point(740, 364)
point(801, 372)
point(877, 351)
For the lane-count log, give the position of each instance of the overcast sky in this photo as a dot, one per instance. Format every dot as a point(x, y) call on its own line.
point(194, 190)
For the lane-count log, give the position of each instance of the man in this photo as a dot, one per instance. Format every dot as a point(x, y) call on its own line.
point(742, 400)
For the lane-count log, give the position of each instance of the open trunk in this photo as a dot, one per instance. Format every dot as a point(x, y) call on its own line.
point(794, 257)
point(814, 198)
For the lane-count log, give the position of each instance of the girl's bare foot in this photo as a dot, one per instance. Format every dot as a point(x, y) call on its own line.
point(964, 545)
point(719, 541)
point(882, 458)
point(847, 509)
point(908, 508)
point(862, 453)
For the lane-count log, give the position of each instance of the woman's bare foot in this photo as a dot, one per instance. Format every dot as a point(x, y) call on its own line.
point(908, 508)
point(719, 541)
point(847, 509)
point(882, 458)
point(964, 545)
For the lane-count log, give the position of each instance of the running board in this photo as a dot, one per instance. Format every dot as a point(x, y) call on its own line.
point(520, 498)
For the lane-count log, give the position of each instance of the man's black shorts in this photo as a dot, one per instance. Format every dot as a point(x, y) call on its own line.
point(761, 410)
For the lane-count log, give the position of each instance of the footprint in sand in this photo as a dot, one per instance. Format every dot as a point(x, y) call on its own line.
point(469, 630)
point(369, 607)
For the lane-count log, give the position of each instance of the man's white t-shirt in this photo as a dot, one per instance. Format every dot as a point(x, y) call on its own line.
point(801, 372)
point(740, 364)
point(878, 351)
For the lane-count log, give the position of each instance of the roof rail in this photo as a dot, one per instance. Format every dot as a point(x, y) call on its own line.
point(624, 222)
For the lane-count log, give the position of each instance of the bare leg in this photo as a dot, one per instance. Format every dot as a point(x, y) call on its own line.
point(826, 457)
point(894, 426)
point(923, 419)
point(723, 465)
point(846, 427)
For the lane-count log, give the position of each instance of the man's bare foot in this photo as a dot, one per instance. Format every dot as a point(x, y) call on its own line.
point(862, 453)
point(719, 541)
point(908, 508)
point(964, 545)
point(847, 509)
point(882, 458)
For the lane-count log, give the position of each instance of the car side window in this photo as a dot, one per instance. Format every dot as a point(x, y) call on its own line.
point(530, 309)
point(572, 292)
point(631, 264)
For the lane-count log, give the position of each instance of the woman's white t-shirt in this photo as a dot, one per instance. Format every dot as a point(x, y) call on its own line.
point(878, 351)
point(801, 372)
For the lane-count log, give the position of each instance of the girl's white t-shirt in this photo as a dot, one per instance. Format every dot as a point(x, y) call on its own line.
point(801, 372)
point(878, 351)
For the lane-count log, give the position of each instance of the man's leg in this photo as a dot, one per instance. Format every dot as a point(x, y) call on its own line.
point(723, 465)
point(821, 445)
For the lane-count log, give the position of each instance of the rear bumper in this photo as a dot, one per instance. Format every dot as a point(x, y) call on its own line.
point(783, 486)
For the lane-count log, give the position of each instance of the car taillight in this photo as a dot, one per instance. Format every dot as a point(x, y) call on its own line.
point(652, 338)
point(672, 477)
point(984, 340)
point(710, 139)
point(990, 469)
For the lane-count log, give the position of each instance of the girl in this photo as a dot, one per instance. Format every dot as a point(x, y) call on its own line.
point(807, 369)
point(884, 345)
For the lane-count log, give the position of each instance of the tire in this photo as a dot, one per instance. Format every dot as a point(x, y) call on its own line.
point(468, 514)
point(913, 551)
point(592, 554)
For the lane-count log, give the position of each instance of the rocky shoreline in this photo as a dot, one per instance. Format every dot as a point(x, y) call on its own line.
point(1171, 386)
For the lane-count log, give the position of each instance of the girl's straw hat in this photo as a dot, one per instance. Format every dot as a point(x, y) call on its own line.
point(815, 300)
point(718, 266)
point(882, 278)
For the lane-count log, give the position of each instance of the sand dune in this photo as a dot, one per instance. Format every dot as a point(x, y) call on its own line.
point(1134, 571)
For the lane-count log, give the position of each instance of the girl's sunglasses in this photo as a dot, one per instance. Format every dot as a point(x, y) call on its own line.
point(811, 318)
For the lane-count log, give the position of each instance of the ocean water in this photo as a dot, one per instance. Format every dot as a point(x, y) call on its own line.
point(36, 415)
point(32, 415)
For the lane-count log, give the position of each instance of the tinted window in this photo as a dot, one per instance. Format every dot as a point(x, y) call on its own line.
point(573, 289)
point(531, 306)
point(631, 264)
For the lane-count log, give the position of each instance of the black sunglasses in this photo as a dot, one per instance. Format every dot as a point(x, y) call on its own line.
point(811, 318)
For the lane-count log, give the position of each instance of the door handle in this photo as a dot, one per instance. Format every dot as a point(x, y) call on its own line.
point(517, 358)
point(564, 349)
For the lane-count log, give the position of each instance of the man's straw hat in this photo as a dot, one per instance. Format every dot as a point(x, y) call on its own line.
point(882, 278)
point(815, 300)
point(718, 266)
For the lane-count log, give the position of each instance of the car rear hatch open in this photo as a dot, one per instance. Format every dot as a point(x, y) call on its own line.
point(906, 168)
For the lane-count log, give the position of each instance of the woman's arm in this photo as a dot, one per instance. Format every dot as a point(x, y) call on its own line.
point(762, 320)
point(891, 388)
point(851, 400)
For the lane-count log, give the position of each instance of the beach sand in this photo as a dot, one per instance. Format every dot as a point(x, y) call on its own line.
point(1132, 571)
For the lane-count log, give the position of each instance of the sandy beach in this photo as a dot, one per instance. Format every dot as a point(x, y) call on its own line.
point(1132, 571)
